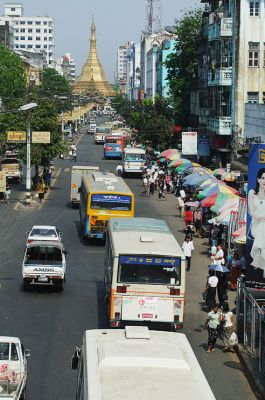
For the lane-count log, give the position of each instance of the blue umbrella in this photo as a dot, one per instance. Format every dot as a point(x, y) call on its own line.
point(195, 179)
point(218, 268)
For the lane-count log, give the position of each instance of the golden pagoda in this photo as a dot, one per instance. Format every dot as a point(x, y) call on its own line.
point(92, 80)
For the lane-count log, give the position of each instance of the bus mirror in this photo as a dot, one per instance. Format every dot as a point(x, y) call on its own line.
point(75, 359)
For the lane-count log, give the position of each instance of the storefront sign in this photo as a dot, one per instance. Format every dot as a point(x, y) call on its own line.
point(16, 137)
point(2, 182)
point(204, 146)
point(41, 137)
point(189, 143)
point(255, 249)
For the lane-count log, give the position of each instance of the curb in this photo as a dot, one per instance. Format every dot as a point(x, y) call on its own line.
point(255, 378)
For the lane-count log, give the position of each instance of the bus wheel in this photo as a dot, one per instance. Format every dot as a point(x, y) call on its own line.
point(59, 285)
point(25, 285)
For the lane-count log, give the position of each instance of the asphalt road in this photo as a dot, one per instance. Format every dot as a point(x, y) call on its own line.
point(51, 323)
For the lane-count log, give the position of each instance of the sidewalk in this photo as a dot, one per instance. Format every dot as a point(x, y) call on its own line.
point(233, 382)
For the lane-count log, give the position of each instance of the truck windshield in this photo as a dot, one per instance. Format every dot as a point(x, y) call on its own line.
point(149, 270)
point(43, 255)
point(111, 202)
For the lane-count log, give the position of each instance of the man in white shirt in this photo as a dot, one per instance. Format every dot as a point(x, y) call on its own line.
point(218, 258)
point(188, 248)
point(119, 170)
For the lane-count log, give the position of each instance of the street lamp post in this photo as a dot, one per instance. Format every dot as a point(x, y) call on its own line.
point(28, 107)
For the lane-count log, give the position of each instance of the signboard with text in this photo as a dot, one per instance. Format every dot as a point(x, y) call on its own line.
point(189, 143)
point(16, 137)
point(255, 246)
point(41, 137)
point(2, 182)
point(204, 146)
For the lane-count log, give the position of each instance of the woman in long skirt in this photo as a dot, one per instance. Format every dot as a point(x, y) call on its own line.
point(211, 286)
point(212, 323)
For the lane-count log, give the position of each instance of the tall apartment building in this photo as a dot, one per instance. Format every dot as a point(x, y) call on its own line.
point(231, 71)
point(120, 74)
point(133, 71)
point(66, 67)
point(30, 32)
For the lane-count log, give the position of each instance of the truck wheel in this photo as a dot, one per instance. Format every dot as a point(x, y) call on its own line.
point(59, 285)
point(25, 285)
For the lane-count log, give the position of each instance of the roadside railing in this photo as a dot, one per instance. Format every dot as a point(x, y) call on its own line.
point(251, 323)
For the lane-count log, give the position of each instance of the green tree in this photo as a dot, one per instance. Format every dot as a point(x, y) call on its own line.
point(183, 63)
point(54, 84)
point(12, 76)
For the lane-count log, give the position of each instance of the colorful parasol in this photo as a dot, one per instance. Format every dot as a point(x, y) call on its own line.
point(217, 189)
point(227, 177)
point(167, 153)
point(208, 182)
point(197, 169)
point(209, 201)
point(173, 157)
point(219, 172)
point(182, 161)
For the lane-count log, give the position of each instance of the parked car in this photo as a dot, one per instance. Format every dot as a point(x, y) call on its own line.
point(44, 233)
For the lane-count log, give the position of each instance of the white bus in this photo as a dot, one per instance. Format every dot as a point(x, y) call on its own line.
point(134, 160)
point(144, 273)
point(137, 364)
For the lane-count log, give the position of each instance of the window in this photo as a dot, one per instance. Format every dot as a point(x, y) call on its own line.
point(29, 22)
point(45, 30)
point(254, 8)
point(45, 46)
point(38, 38)
point(16, 37)
point(13, 9)
point(22, 37)
point(29, 46)
point(253, 54)
point(45, 23)
point(29, 30)
point(253, 97)
point(22, 46)
point(37, 46)
point(263, 97)
point(23, 30)
point(37, 30)
point(30, 38)
point(22, 22)
point(17, 30)
point(37, 22)
point(14, 353)
point(45, 38)
point(4, 351)
point(50, 30)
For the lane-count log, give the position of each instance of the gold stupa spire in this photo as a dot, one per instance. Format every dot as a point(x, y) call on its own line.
point(92, 72)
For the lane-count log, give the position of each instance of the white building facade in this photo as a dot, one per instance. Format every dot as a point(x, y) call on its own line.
point(120, 74)
point(30, 32)
point(65, 66)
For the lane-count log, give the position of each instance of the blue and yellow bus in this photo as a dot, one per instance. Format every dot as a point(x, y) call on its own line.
point(102, 196)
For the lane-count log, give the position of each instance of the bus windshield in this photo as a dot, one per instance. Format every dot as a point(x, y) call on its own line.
point(149, 270)
point(111, 202)
point(134, 157)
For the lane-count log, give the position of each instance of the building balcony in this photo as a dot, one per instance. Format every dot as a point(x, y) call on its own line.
point(220, 77)
point(221, 28)
point(220, 125)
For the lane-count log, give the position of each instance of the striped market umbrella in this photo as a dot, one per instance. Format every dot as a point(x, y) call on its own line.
point(182, 161)
point(209, 201)
point(167, 153)
point(217, 189)
point(208, 182)
point(221, 202)
point(219, 172)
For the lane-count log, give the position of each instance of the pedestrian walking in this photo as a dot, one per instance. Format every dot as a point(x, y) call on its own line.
point(212, 324)
point(152, 184)
point(41, 190)
point(188, 248)
point(48, 177)
point(234, 271)
point(180, 205)
point(161, 184)
point(222, 288)
point(228, 327)
point(119, 170)
point(7, 193)
point(212, 282)
point(74, 155)
point(197, 217)
point(218, 258)
point(188, 216)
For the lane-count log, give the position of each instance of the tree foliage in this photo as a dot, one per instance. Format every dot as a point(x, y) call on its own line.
point(152, 120)
point(12, 76)
point(183, 63)
point(54, 84)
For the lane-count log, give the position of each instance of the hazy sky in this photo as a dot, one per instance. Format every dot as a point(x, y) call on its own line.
point(117, 22)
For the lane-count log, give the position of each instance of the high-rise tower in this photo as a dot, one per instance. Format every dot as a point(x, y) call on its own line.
point(92, 78)
point(153, 16)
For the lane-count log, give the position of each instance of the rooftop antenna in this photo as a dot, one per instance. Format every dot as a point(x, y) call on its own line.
point(153, 16)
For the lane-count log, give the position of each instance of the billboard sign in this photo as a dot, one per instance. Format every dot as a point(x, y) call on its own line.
point(16, 137)
point(189, 143)
point(204, 146)
point(41, 137)
point(255, 246)
point(2, 182)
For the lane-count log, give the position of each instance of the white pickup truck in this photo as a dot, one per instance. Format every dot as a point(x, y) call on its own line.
point(13, 369)
point(44, 264)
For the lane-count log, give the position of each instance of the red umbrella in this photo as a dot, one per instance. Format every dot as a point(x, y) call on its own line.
point(209, 201)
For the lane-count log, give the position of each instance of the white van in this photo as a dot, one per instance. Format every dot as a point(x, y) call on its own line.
point(137, 364)
point(134, 160)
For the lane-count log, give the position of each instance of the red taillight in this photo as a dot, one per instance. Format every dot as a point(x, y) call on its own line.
point(121, 289)
point(107, 148)
point(29, 241)
point(174, 292)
